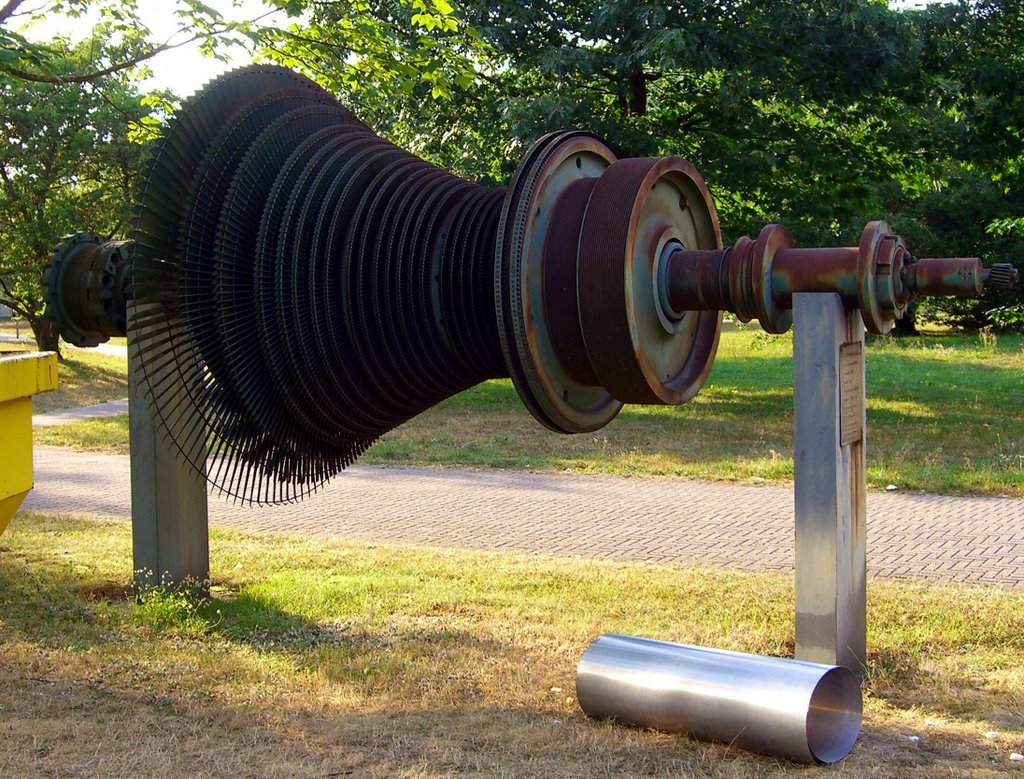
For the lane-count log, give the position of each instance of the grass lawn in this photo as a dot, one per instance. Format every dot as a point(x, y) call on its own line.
point(941, 409)
point(322, 658)
point(940, 418)
point(83, 379)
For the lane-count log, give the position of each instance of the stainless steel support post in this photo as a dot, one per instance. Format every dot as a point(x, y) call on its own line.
point(830, 491)
point(170, 534)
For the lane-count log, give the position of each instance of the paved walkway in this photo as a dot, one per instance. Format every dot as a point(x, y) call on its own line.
point(721, 524)
point(54, 418)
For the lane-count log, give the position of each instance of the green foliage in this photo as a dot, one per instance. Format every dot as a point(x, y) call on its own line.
point(776, 103)
point(376, 53)
point(1008, 317)
point(970, 102)
point(412, 69)
point(165, 610)
point(120, 40)
point(67, 162)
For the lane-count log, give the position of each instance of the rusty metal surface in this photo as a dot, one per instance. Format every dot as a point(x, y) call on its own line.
point(756, 278)
point(1001, 275)
point(953, 276)
point(638, 211)
point(85, 288)
point(561, 304)
point(536, 283)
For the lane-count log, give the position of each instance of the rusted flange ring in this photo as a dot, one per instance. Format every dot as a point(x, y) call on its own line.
point(871, 246)
point(771, 238)
point(550, 388)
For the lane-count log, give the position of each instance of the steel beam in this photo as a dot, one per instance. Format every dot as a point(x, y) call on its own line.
point(170, 533)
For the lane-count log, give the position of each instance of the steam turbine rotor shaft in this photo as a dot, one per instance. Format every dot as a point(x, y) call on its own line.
point(756, 278)
point(299, 286)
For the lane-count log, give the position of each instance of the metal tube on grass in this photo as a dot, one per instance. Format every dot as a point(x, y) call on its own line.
point(805, 712)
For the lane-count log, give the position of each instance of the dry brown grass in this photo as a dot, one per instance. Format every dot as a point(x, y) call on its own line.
point(339, 659)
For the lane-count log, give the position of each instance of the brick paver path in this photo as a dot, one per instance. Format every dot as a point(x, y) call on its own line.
point(666, 520)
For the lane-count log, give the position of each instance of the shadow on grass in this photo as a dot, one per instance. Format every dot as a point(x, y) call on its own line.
point(54, 607)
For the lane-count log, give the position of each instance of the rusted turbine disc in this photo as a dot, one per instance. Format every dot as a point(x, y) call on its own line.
point(302, 286)
point(640, 212)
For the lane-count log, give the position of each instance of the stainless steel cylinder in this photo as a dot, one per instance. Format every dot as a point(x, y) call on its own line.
point(802, 711)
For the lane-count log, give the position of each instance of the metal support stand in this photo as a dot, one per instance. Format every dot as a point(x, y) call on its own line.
point(830, 493)
point(170, 533)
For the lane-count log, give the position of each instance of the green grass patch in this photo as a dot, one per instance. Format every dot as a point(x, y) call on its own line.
point(940, 419)
point(106, 434)
point(314, 658)
point(937, 421)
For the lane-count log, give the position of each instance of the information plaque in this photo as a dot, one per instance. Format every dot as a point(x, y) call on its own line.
point(851, 390)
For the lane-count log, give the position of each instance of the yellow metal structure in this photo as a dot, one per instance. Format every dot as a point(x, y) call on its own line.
point(22, 375)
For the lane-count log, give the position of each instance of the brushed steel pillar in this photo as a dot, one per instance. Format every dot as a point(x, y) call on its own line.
point(170, 533)
point(830, 490)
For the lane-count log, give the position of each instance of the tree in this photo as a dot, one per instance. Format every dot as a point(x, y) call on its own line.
point(972, 100)
point(119, 39)
point(777, 103)
point(377, 52)
point(68, 157)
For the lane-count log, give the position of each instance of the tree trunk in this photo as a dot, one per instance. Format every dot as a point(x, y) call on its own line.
point(47, 336)
point(637, 93)
point(907, 324)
